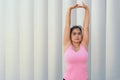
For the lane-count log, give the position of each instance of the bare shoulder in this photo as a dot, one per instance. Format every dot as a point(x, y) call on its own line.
point(85, 45)
point(66, 46)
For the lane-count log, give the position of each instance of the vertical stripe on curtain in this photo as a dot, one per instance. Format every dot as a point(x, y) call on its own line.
point(98, 39)
point(12, 56)
point(54, 39)
point(112, 39)
point(26, 40)
point(2, 40)
point(40, 14)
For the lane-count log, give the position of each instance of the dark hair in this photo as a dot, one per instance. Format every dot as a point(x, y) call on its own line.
point(75, 27)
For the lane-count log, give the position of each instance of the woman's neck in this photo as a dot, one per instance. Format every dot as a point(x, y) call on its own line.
point(76, 45)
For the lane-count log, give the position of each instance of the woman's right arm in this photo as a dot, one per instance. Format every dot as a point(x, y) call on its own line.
point(67, 24)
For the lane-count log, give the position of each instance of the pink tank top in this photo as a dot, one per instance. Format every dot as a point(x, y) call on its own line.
point(76, 64)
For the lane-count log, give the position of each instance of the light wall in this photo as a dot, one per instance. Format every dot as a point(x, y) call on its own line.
point(31, 34)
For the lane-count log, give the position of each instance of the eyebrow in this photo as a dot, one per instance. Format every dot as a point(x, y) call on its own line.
point(76, 32)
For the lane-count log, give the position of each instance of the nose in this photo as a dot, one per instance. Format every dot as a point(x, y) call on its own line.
point(77, 35)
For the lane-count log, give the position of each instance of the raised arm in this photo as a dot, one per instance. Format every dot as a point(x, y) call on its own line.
point(67, 24)
point(85, 40)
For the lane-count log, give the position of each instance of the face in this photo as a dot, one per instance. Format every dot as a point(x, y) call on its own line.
point(76, 35)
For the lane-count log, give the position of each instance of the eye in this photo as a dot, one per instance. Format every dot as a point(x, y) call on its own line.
point(74, 33)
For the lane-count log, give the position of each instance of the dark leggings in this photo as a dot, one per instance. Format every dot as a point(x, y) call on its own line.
point(63, 79)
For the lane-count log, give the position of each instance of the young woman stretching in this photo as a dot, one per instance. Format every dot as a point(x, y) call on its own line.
point(76, 40)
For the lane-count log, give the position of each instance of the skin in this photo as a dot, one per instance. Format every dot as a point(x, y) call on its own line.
point(75, 41)
point(76, 36)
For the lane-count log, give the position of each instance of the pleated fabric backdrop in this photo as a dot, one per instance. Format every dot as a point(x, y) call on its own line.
point(31, 33)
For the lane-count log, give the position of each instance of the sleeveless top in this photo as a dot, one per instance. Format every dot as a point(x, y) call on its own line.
point(76, 63)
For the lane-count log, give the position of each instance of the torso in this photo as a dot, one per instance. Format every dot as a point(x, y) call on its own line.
point(76, 63)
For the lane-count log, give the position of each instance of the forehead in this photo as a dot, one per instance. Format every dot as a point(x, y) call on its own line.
point(76, 30)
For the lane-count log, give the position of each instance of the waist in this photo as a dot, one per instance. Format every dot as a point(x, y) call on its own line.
point(76, 75)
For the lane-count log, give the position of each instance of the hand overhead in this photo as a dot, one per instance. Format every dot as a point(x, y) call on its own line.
point(83, 5)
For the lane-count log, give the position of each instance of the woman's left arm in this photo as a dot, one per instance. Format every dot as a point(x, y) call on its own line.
point(85, 40)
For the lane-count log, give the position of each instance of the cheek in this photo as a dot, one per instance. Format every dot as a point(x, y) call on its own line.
point(80, 36)
point(72, 37)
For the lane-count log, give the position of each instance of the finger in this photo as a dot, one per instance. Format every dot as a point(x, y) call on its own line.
point(76, 5)
point(79, 5)
point(73, 6)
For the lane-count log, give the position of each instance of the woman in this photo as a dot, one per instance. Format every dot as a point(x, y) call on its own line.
point(76, 42)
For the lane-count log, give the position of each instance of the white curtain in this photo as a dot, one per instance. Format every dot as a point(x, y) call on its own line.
point(31, 33)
